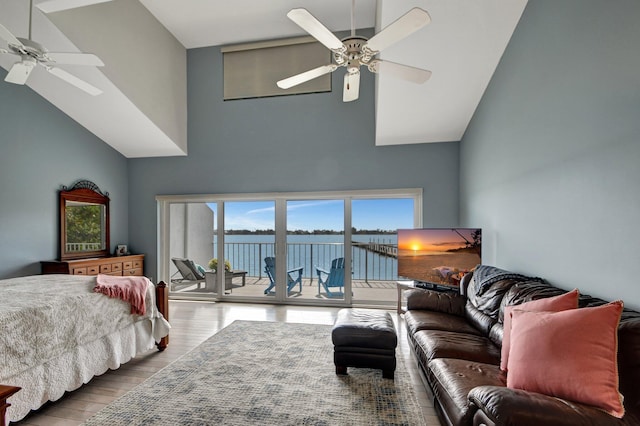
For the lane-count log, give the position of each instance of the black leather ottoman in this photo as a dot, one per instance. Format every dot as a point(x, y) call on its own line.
point(364, 338)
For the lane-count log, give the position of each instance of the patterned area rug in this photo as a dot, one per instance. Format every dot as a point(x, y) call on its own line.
point(265, 373)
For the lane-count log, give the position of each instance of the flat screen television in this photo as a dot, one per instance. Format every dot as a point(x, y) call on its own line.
point(438, 256)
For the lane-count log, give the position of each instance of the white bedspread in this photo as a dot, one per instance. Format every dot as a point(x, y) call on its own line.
point(53, 321)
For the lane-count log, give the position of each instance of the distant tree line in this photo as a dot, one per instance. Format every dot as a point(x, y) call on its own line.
point(304, 232)
point(83, 224)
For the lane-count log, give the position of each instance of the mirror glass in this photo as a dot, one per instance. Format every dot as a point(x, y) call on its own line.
point(85, 226)
point(84, 222)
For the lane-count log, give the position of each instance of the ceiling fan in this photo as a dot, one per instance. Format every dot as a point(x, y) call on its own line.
point(32, 53)
point(355, 51)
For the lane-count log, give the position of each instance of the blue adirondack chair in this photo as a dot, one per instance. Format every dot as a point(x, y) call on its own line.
point(270, 270)
point(333, 278)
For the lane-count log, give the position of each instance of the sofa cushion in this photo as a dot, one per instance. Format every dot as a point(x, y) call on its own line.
point(448, 344)
point(629, 361)
point(489, 285)
point(519, 293)
point(445, 302)
point(453, 379)
point(551, 304)
point(527, 291)
point(498, 405)
point(488, 302)
point(570, 354)
point(479, 319)
point(417, 320)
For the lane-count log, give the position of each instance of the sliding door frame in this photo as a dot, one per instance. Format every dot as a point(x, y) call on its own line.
point(280, 198)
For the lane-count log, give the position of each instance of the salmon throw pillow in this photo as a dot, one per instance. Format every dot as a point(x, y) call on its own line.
point(552, 304)
point(570, 355)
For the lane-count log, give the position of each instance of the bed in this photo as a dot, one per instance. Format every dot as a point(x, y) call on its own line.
point(57, 334)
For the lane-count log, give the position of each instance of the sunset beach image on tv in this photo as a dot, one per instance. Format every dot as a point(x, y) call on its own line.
point(439, 256)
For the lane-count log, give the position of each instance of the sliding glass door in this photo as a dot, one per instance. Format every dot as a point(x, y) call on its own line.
point(328, 248)
point(189, 248)
point(249, 249)
point(315, 249)
point(375, 246)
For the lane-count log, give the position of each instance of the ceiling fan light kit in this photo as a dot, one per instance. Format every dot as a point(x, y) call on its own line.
point(32, 53)
point(355, 51)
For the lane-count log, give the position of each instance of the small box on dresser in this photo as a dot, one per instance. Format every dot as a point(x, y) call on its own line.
point(119, 265)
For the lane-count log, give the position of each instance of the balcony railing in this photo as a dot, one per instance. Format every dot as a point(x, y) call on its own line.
point(370, 261)
point(75, 247)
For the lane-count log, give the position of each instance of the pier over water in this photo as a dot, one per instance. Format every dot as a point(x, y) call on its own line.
point(382, 249)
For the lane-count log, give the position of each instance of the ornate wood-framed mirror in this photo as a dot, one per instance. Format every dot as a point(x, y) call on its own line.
point(84, 221)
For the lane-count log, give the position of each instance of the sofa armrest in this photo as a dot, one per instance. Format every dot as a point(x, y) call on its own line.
point(448, 303)
point(504, 406)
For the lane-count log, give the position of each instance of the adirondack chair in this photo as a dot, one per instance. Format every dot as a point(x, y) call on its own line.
point(270, 270)
point(333, 278)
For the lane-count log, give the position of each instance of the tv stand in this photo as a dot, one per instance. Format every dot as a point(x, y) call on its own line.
point(435, 287)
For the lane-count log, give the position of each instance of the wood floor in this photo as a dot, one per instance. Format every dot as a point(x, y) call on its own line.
point(192, 323)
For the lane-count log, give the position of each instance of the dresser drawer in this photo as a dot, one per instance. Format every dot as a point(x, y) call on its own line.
point(132, 272)
point(115, 265)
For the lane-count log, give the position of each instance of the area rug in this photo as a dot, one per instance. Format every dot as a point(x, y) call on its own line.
point(265, 373)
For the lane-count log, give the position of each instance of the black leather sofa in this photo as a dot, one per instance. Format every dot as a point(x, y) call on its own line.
point(456, 340)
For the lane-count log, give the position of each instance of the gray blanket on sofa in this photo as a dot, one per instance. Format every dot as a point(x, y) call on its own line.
point(485, 276)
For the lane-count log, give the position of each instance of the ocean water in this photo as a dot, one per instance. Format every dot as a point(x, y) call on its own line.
point(247, 252)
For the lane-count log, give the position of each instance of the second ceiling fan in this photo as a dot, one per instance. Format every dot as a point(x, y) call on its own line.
point(31, 54)
point(355, 51)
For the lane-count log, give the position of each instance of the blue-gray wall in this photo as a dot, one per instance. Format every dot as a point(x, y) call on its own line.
point(41, 149)
point(293, 143)
point(550, 165)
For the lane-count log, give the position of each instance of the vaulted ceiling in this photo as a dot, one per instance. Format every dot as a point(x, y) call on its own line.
point(462, 47)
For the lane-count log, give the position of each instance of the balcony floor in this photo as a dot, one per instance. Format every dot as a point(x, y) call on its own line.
point(378, 292)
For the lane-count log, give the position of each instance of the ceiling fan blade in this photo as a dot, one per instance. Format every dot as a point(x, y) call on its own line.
point(88, 59)
point(407, 24)
point(58, 5)
point(351, 89)
point(306, 76)
point(5, 34)
point(405, 72)
point(75, 81)
point(310, 24)
point(19, 72)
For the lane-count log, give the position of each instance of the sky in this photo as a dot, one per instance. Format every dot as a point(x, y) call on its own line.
point(433, 240)
point(309, 215)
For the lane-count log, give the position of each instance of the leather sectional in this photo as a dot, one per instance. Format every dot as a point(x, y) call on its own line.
point(456, 340)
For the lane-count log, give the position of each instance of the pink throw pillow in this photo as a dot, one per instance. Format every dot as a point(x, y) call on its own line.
point(570, 354)
point(552, 304)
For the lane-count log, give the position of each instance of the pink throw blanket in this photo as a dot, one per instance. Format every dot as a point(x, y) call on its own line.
point(129, 289)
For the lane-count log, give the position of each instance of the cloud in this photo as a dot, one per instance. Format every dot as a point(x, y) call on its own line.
point(295, 206)
point(262, 210)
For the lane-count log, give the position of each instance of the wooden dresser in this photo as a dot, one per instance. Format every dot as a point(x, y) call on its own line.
point(116, 265)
